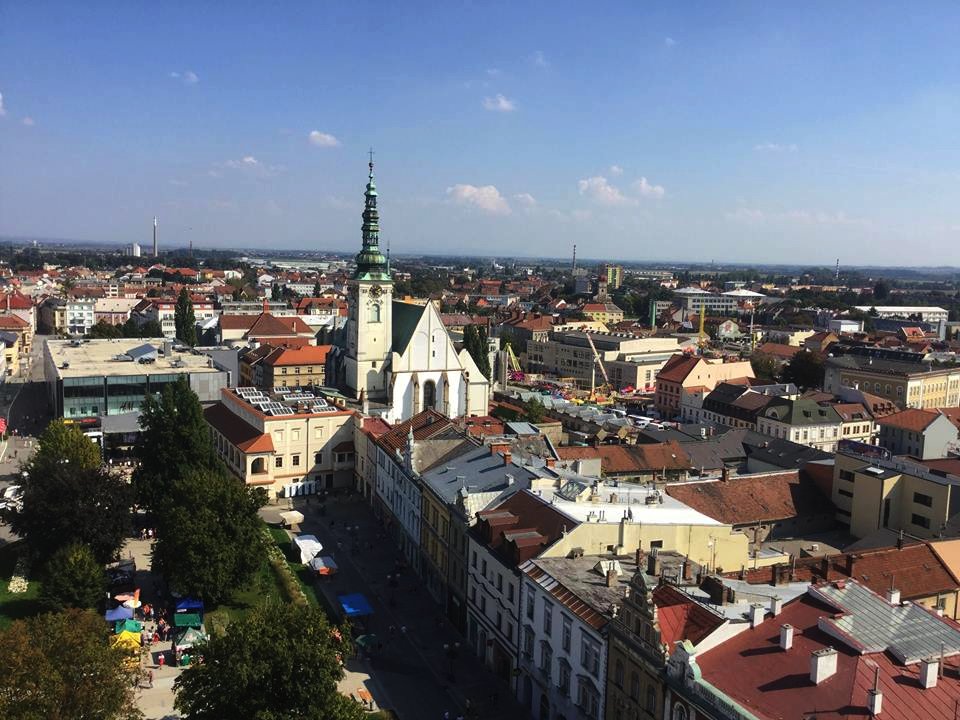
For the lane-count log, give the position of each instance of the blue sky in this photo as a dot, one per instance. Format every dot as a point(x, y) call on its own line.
point(689, 131)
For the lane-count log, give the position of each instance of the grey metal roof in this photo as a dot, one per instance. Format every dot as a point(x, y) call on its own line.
point(478, 470)
point(142, 351)
point(870, 624)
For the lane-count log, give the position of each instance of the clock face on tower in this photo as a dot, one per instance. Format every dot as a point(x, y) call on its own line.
point(376, 291)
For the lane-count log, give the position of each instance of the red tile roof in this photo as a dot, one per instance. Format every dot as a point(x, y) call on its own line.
point(16, 300)
point(753, 498)
point(12, 322)
point(778, 350)
point(425, 424)
point(677, 368)
point(911, 419)
point(752, 670)
point(306, 355)
point(681, 617)
point(237, 431)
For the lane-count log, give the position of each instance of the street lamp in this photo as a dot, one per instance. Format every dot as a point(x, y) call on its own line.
point(452, 650)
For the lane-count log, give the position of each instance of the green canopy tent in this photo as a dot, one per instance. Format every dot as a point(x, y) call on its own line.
point(188, 638)
point(130, 625)
point(187, 620)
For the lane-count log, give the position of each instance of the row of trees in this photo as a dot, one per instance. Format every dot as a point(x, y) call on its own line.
point(805, 369)
point(475, 343)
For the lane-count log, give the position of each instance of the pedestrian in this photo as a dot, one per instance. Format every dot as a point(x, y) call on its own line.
point(161, 659)
point(150, 678)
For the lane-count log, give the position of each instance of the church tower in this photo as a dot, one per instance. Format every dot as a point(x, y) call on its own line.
point(370, 303)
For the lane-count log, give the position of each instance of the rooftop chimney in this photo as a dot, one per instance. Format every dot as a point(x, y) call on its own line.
point(507, 457)
point(776, 605)
point(725, 474)
point(929, 669)
point(756, 614)
point(786, 636)
point(823, 665)
point(551, 462)
point(653, 563)
point(611, 578)
point(875, 697)
point(893, 596)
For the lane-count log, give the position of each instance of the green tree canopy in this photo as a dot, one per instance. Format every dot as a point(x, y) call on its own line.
point(60, 666)
point(174, 440)
point(63, 444)
point(210, 538)
point(805, 370)
point(535, 411)
point(184, 319)
point(73, 579)
point(475, 343)
point(764, 366)
point(279, 662)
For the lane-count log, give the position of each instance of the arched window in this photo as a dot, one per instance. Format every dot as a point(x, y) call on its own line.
point(259, 465)
point(679, 712)
point(429, 394)
point(618, 673)
point(375, 313)
point(635, 686)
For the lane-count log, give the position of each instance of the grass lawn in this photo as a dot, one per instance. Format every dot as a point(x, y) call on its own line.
point(20, 605)
point(266, 586)
point(303, 573)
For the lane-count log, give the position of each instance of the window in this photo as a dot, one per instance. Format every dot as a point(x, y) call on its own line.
point(473, 559)
point(589, 698)
point(499, 583)
point(296, 460)
point(921, 499)
point(499, 619)
point(546, 660)
point(590, 656)
point(563, 679)
point(278, 461)
point(318, 458)
point(529, 604)
point(528, 641)
point(635, 685)
point(483, 604)
point(618, 673)
point(845, 493)
point(375, 313)
point(483, 568)
point(651, 700)
point(510, 592)
point(920, 520)
point(547, 618)
point(295, 434)
point(846, 475)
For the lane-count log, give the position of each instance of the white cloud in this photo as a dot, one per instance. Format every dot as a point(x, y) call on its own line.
point(525, 199)
point(599, 190)
point(493, 72)
point(28, 121)
point(247, 161)
point(189, 77)
point(3, 110)
point(645, 189)
point(539, 59)
point(322, 139)
point(669, 42)
point(775, 147)
point(616, 170)
point(756, 216)
point(486, 198)
point(499, 103)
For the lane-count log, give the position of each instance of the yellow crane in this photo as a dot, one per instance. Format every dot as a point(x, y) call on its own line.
point(605, 388)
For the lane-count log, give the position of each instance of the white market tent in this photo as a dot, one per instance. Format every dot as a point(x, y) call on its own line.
point(307, 546)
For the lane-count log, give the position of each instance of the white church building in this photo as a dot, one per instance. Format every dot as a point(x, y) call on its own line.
point(399, 359)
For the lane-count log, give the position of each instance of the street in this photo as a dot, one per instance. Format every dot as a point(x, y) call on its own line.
point(417, 676)
point(23, 403)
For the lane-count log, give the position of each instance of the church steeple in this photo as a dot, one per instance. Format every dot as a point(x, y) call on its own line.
point(371, 263)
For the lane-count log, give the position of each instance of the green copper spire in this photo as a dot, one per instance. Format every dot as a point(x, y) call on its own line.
point(371, 264)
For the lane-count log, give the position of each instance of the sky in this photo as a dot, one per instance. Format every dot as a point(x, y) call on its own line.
point(639, 131)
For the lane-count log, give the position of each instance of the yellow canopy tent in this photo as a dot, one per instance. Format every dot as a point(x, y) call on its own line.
point(127, 640)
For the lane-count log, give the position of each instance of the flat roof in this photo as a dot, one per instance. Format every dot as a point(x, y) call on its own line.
point(97, 358)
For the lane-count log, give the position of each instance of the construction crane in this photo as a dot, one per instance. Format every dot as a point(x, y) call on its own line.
point(599, 362)
point(702, 339)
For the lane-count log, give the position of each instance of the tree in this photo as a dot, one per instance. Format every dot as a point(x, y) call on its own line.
point(475, 343)
point(104, 331)
point(184, 319)
point(173, 441)
point(764, 366)
point(535, 411)
point(805, 370)
point(280, 661)
point(69, 497)
point(276, 293)
point(60, 666)
point(210, 539)
point(73, 579)
point(317, 290)
point(881, 290)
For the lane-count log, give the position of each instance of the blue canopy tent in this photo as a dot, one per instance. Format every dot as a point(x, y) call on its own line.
point(354, 605)
point(189, 605)
point(119, 613)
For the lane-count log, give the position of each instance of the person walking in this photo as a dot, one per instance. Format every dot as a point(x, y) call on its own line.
point(150, 679)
